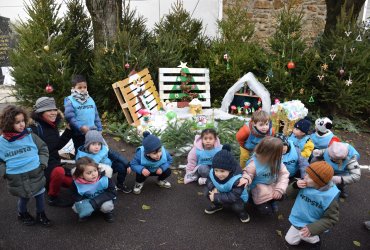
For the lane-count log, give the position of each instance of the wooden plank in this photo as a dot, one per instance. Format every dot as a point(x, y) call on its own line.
point(166, 79)
point(166, 96)
point(177, 70)
point(170, 87)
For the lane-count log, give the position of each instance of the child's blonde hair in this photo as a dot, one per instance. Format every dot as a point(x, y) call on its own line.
point(260, 116)
point(270, 150)
point(81, 164)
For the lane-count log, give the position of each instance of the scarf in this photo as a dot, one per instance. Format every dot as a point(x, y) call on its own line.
point(80, 97)
point(81, 180)
point(13, 136)
point(52, 124)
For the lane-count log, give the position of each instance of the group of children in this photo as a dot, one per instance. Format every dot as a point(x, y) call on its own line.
point(316, 165)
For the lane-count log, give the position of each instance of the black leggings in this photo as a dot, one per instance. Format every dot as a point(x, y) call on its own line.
point(141, 178)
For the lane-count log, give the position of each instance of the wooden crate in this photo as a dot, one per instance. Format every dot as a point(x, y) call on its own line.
point(135, 93)
point(167, 81)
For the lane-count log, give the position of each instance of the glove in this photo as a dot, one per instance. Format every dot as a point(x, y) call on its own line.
point(317, 152)
point(84, 208)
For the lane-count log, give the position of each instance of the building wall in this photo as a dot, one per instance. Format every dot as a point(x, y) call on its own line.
point(263, 14)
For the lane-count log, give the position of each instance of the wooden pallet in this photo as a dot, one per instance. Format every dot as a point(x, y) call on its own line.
point(167, 81)
point(135, 93)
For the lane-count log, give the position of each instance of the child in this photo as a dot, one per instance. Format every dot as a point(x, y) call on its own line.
point(46, 120)
point(222, 185)
point(200, 157)
point(23, 157)
point(251, 134)
point(80, 111)
point(292, 158)
point(92, 191)
point(301, 138)
point(323, 137)
point(343, 158)
point(316, 207)
point(267, 176)
point(151, 159)
point(96, 148)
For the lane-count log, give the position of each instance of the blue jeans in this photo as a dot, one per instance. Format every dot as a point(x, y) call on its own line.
point(119, 165)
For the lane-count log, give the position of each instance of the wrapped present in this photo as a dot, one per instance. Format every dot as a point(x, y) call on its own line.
point(285, 115)
point(195, 107)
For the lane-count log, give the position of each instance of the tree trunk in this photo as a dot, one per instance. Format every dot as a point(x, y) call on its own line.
point(333, 10)
point(106, 17)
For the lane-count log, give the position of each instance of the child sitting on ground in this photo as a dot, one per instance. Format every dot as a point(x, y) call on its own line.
point(251, 133)
point(200, 157)
point(301, 138)
point(267, 175)
point(97, 149)
point(151, 159)
point(323, 137)
point(316, 207)
point(80, 111)
point(292, 158)
point(92, 191)
point(343, 158)
point(23, 159)
point(222, 185)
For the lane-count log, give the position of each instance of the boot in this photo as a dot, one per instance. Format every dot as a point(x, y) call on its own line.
point(43, 220)
point(108, 217)
point(26, 219)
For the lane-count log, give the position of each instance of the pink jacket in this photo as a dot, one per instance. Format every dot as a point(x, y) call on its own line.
point(262, 192)
point(191, 167)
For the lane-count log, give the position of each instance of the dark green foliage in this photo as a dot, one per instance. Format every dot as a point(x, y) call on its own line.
point(41, 56)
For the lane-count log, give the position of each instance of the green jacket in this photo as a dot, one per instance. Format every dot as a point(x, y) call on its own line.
point(28, 184)
point(327, 221)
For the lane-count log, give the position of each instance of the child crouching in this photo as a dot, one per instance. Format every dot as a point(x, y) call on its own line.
point(316, 207)
point(222, 185)
point(92, 191)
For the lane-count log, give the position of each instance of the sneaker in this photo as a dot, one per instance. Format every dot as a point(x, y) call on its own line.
point(26, 219)
point(202, 181)
point(244, 217)
point(125, 189)
point(213, 209)
point(58, 202)
point(108, 217)
point(164, 184)
point(43, 220)
point(137, 188)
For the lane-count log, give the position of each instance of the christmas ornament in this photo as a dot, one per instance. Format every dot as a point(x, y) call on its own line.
point(267, 79)
point(49, 89)
point(46, 48)
point(270, 73)
point(352, 49)
point(301, 91)
point(226, 57)
point(244, 38)
point(311, 99)
point(349, 81)
point(291, 65)
point(127, 65)
point(320, 77)
point(286, 73)
point(324, 66)
point(171, 115)
point(359, 38)
point(182, 65)
point(276, 101)
point(341, 72)
point(348, 33)
point(332, 56)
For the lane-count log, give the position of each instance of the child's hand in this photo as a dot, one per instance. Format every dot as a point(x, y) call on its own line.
point(129, 170)
point(145, 172)
point(301, 183)
point(84, 129)
point(276, 195)
point(68, 126)
point(212, 195)
point(215, 190)
point(305, 232)
point(159, 171)
point(243, 181)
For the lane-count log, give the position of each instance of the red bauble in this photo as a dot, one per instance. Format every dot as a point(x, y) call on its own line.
point(127, 65)
point(291, 65)
point(341, 72)
point(49, 89)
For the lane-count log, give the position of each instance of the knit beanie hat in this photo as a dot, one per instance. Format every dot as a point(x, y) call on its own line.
point(320, 172)
point(150, 142)
point(303, 125)
point(93, 136)
point(223, 159)
point(338, 150)
point(44, 104)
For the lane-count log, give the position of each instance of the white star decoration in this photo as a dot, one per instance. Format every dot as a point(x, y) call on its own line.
point(182, 65)
point(349, 82)
point(320, 77)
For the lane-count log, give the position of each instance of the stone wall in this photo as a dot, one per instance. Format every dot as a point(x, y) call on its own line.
point(263, 14)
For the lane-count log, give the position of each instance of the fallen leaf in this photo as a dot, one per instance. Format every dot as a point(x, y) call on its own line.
point(142, 220)
point(164, 243)
point(342, 200)
point(180, 180)
point(279, 233)
point(280, 217)
point(117, 138)
point(175, 172)
point(123, 150)
point(356, 243)
point(201, 193)
point(145, 207)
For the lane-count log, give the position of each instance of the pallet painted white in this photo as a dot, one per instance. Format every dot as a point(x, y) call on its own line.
point(167, 81)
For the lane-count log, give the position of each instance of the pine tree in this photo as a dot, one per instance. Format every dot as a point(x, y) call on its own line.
point(40, 58)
